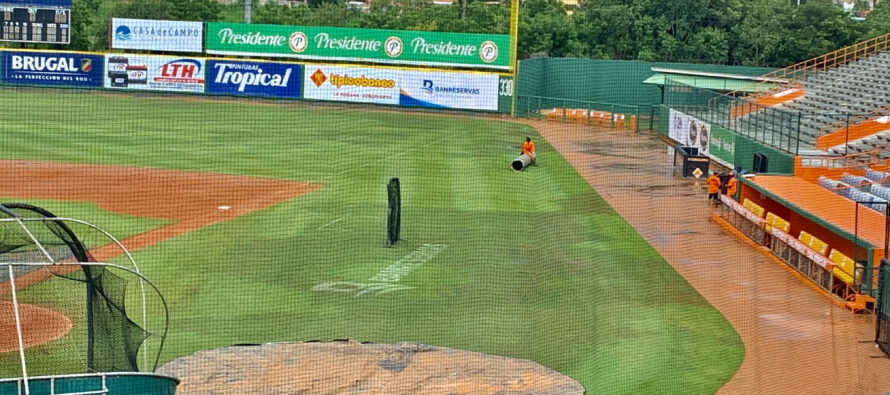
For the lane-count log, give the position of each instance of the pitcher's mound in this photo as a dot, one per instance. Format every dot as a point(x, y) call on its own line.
point(345, 367)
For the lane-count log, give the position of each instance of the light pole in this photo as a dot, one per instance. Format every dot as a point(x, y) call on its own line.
point(247, 11)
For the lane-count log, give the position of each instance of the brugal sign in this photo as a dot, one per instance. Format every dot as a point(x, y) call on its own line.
point(360, 45)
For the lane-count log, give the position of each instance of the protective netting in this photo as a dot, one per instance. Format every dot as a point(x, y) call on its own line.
point(82, 308)
point(254, 194)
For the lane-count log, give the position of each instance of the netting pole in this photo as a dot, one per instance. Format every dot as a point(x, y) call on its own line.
point(394, 211)
point(18, 328)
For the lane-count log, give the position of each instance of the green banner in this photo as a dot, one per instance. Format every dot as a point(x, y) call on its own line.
point(723, 145)
point(360, 45)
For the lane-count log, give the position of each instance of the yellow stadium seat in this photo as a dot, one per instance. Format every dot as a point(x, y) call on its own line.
point(841, 275)
point(844, 266)
point(776, 221)
point(819, 246)
point(753, 207)
point(805, 238)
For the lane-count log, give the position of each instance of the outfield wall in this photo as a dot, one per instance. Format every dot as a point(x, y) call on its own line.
point(388, 85)
point(605, 81)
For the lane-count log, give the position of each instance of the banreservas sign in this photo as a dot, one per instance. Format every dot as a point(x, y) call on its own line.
point(51, 68)
point(366, 45)
point(452, 90)
point(254, 78)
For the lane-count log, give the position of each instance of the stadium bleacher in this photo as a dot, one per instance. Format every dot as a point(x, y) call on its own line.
point(860, 189)
point(851, 93)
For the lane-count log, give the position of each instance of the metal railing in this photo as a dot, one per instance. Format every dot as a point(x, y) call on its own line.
point(853, 119)
point(798, 72)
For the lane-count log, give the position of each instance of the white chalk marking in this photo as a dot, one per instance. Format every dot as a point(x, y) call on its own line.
point(224, 207)
point(332, 222)
point(383, 282)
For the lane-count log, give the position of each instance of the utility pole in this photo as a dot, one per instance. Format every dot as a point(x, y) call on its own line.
point(247, 11)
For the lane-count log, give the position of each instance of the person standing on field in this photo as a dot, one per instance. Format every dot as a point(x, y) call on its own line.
point(714, 188)
point(528, 148)
point(731, 186)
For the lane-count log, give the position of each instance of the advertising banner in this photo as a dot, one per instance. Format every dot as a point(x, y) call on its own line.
point(453, 90)
point(366, 45)
point(689, 131)
point(351, 84)
point(154, 35)
point(157, 73)
point(50, 68)
point(254, 78)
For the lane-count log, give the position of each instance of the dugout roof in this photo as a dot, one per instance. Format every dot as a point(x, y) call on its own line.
point(822, 206)
point(710, 81)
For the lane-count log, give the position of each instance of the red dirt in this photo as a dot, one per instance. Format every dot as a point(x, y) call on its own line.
point(796, 340)
point(39, 325)
point(190, 199)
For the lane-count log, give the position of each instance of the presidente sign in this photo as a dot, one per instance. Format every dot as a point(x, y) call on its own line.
point(51, 68)
point(365, 45)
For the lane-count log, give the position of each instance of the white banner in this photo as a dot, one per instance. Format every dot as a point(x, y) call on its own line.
point(351, 84)
point(153, 35)
point(160, 73)
point(455, 90)
point(689, 131)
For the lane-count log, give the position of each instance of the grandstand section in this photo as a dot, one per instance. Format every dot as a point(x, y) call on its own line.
point(836, 104)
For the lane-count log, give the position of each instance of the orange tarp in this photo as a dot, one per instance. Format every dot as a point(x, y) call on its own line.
point(827, 205)
point(766, 101)
point(857, 131)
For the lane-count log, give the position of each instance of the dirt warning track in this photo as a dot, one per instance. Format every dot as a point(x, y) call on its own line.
point(191, 200)
point(796, 340)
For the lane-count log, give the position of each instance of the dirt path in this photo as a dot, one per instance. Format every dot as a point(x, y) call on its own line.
point(192, 200)
point(796, 341)
point(39, 325)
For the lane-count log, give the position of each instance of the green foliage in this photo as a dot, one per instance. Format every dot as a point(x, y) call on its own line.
point(770, 33)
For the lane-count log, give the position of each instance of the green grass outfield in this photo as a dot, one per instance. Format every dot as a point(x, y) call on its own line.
point(537, 265)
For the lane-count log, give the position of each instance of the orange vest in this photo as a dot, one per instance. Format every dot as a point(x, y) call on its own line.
point(713, 184)
point(528, 147)
point(731, 186)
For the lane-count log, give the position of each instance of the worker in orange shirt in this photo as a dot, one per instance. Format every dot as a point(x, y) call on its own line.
point(714, 188)
point(731, 186)
point(528, 148)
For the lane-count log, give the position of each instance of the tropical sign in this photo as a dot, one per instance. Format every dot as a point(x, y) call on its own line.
point(360, 45)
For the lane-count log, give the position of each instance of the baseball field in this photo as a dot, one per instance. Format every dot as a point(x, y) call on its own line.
point(530, 264)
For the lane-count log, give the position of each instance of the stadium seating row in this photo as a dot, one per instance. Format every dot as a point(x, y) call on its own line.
point(861, 189)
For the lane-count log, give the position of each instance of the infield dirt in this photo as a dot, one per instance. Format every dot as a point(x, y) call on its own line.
point(191, 200)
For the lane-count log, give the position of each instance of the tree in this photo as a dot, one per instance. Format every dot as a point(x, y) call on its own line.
point(81, 24)
point(545, 27)
point(757, 39)
point(878, 21)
